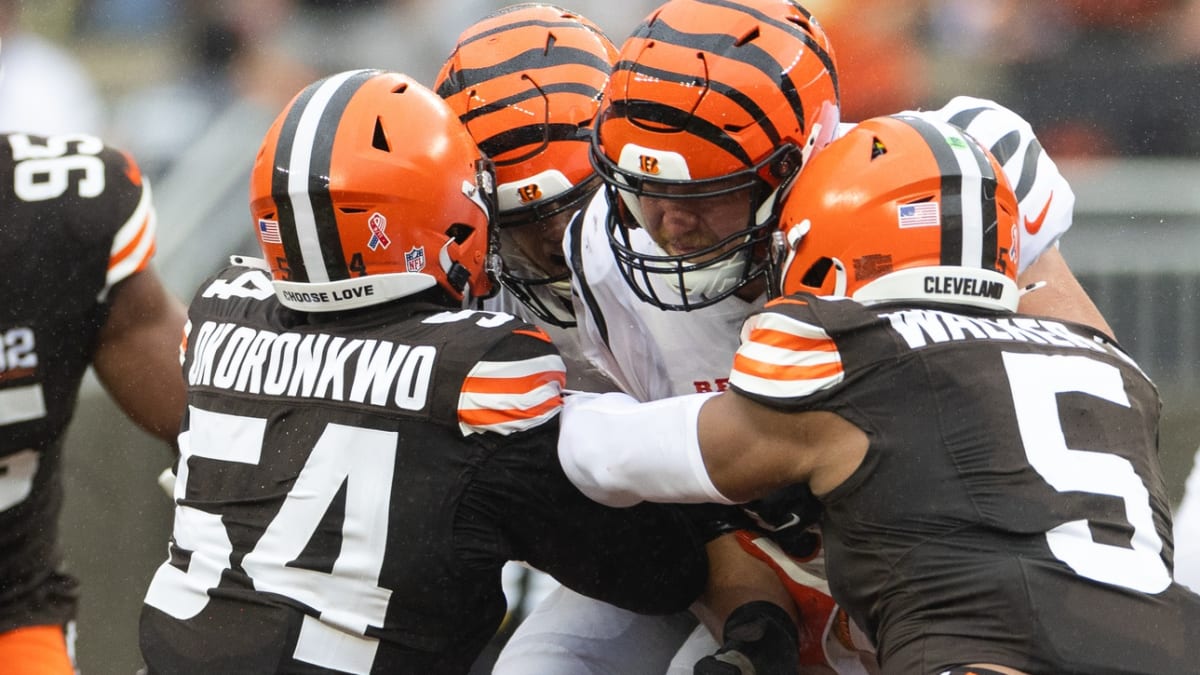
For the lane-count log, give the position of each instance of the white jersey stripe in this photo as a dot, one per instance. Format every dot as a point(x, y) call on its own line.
point(781, 370)
point(780, 389)
point(143, 223)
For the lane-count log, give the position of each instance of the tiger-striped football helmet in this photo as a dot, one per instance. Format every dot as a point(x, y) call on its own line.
point(902, 208)
point(711, 100)
point(367, 188)
point(526, 82)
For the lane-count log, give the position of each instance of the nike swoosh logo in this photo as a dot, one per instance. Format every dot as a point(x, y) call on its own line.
point(1032, 226)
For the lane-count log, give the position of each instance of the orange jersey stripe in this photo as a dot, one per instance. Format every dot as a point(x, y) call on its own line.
point(120, 256)
point(537, 332)
point(16, 374)
point(790, 341)
point(485, 418)
point(512, 385)
point(787, 300)
point(770, 371)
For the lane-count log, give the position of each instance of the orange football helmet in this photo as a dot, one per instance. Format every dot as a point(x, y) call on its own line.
point(367, 188)
point(902, 208)
point(526, 82)
point(711, 98)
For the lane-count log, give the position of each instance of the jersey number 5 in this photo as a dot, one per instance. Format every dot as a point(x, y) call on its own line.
point(1036, 379)
point(349, 598)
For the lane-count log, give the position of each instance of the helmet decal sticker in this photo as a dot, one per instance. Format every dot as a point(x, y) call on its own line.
point(377, 224)
point(414, 259)
point(268, 231)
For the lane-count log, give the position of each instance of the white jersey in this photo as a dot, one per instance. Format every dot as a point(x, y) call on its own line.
point(649, 352)
point(652, 353)
point(1045, 201)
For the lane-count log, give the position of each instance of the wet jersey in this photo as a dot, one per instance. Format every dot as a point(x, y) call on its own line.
point(1010, 508)
point(77, 221)
point(349, 489)
point(652, 353)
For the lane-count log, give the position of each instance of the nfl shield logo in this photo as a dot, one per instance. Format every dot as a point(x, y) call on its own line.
point(414, 259)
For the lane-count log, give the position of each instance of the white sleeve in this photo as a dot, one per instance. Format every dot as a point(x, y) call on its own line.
point(1046, 203)
point(619, 452)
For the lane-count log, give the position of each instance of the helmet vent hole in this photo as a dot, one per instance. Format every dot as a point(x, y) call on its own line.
point(878, 149)
point(802, 23)
point(815, 276)
point(550, 41)
point(459, 232)
point(752, 35)
point(352, 209)
point(379, 141)
point(400, 88)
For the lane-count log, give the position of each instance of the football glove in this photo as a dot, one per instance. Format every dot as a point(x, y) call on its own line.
point(760, 639)
point(826, 635)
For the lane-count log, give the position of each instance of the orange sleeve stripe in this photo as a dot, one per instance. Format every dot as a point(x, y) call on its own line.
point(535, 333)
point(787, 301)
point(485, 417)
point(513, 385)
point(120, 256)
point(785, 340)
point(145, 261)
point(771, 371)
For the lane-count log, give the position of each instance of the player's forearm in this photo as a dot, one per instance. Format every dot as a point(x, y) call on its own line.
point(620, 452)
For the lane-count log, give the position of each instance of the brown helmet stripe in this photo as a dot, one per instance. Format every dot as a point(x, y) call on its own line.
point(966, 241)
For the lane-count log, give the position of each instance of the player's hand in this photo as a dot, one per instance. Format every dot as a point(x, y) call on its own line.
point(760, 639)
point(788, 515)
point(828, 639)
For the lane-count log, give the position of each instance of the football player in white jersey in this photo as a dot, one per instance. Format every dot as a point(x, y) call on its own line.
point(708, 112)
point(600, 639)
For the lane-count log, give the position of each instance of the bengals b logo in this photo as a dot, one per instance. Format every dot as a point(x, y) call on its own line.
point(649, 164)
point(529, 193)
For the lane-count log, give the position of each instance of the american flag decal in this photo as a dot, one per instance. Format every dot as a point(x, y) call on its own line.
point(268, 231)
point(924, 214)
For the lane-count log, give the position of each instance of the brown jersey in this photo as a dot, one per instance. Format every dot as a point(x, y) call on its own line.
point(77, 220)
point(350, 488)
point(1010, 508)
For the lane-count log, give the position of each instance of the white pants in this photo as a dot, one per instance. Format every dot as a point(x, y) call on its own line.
point(571, 634)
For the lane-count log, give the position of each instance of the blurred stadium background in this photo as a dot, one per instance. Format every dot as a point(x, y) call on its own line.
point(190, 86)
